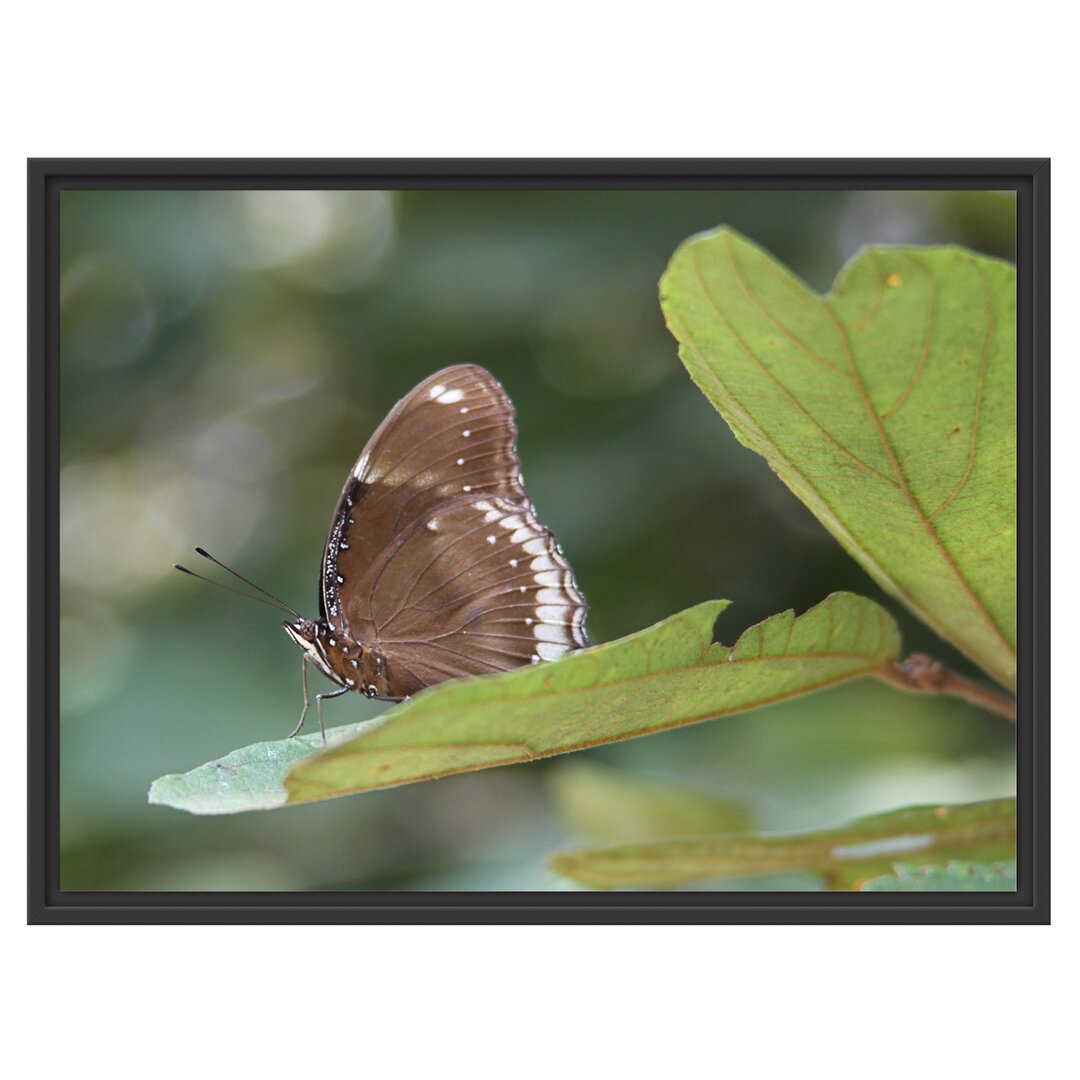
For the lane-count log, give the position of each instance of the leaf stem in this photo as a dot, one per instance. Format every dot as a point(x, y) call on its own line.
point(923, 674)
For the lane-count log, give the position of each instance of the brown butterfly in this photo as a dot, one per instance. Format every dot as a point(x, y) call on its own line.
point(436, 566)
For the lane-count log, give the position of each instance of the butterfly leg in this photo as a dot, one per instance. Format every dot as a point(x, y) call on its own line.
point(303, 714)
point(319, 701)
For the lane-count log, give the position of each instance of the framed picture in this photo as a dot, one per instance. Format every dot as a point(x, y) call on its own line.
point(649, 540)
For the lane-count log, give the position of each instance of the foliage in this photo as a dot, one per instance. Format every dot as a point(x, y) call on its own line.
point(863, 849)
point(887, 407)
point(669, 675)
point(954, 876)
point(246, 779)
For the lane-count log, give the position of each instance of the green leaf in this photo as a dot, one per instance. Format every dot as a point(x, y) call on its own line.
point(956, 876)
point(656, 679)
point(848, 855)
point(660, 678)
point(247, 779)
point(607, 805)
point(888, 407)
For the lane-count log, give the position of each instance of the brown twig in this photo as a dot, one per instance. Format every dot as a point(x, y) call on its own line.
point(925, 675)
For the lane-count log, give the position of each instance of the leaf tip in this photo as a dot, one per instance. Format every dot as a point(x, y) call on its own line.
point(154, 795)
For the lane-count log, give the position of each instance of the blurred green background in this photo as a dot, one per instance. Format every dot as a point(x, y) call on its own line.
point(225, 355)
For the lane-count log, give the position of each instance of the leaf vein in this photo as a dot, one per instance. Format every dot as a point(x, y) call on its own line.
point(756, 301)
point(920, 367)
point(722, 316)
point(991, 330)
point(920, 513)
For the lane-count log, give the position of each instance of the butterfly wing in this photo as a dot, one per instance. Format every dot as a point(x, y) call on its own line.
point(435, 555)
point(479, 586)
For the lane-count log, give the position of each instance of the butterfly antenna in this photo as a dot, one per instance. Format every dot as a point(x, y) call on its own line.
point(273, 601)
point(258, 588)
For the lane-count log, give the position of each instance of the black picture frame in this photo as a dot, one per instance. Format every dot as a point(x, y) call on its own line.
point(1029, 178)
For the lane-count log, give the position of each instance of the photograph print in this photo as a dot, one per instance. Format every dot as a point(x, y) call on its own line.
point(639, 540)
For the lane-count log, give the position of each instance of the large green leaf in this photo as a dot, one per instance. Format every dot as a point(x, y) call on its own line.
point(660, 678)
point(888, 407)
point(955, 876)
point(846, 856)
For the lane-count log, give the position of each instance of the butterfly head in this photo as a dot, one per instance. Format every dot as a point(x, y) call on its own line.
point(305, 632)
point(324, 646)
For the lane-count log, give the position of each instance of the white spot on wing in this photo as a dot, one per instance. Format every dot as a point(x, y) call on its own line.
point(491, 539)
point(551, 613)
point(548, 650)
point(466, 433)
point(449, 397)
point(553, 634)
point(549, 577)
point(436, 391)
point(361, 465)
